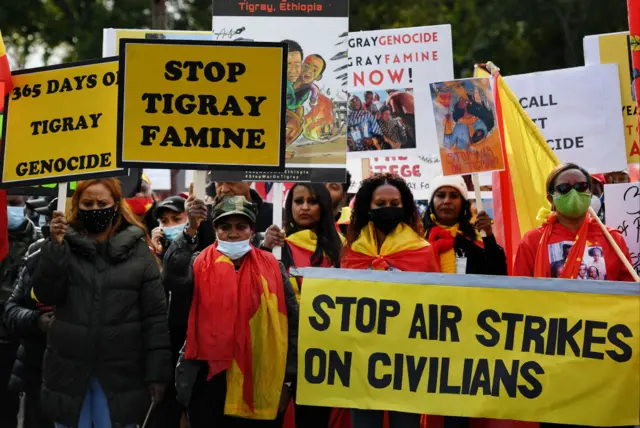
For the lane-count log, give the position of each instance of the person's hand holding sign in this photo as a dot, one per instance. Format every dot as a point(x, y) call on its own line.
point(484, 223)
point(196, 212)
point(58, 227)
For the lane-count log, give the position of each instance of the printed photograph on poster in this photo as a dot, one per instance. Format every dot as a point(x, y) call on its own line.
point(393, 69)
point(622, 203)
point(381, 120)
point(467, 131)
point(316, 98)
point(593, 266)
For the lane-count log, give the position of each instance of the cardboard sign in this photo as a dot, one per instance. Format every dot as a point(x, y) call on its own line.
point(111, 37)
point(389, 75)
point(561, 103)
point(465, 119)
point(60, 124)
point(469, 345)
point(201, 105)
point(316, 113)
point(614, 49)
point(622, 211)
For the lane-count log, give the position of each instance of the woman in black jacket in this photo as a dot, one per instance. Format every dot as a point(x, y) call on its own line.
point(460, 246)
point(108, 351)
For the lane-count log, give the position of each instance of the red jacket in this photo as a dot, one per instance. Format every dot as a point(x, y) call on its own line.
point(608, 266)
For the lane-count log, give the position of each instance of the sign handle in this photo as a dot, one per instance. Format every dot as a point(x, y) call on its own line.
point(62, 197)
point(475, 178)
point(277, 214)
point(200, 184)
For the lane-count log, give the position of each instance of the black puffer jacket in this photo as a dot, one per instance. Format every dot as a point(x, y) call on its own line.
point(111, 323)
point(21, 319)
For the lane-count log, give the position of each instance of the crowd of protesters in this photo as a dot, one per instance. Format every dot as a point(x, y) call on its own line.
point(176, 311)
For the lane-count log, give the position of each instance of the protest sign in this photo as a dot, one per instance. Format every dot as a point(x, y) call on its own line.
point(60, 124)
point(465, 345)
point(467, 128)
point(622, 211)
point(111, 37)
point(417, 171)
point(224, 99)
point(615, 49)
point(316, 112)
point(577, 111)
point(389, 75)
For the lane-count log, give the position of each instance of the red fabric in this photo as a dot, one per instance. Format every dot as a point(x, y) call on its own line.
point(140, 205)
point(525, 258)
point(574, 258)
point(633, 7)
point(5, 74)
point(6, 84)
point(224, 302)
point(506, 227)
point(421, 260)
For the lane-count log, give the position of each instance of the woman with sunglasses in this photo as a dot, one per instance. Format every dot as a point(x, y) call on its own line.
point(568, 224)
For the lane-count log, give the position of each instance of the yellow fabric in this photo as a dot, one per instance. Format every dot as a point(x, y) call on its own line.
point(543, 214)
point(530, 157)
point(3, 51)
point(403, 238)
point(345, 216)
point(33, 296)
point(269, 344)
point(305, 239)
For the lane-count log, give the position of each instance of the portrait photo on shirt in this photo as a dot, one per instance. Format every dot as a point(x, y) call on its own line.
point(381, 120)
point(593, 266)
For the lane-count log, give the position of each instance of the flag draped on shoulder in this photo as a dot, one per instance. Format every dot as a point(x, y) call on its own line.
point(238, 324)
point(519, 191)
point(6, 85)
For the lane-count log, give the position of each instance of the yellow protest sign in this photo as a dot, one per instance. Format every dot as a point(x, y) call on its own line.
point(60, 124)
point(462, 345)
point(200, 104)
point(615, 49)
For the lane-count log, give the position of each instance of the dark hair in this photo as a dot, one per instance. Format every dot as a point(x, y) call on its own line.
point(294, 47)
point(464, 218)
point(557, 265)
point(368, 93)
point(329, 242)
point(384, 109)
point(592, 251)
point(362, 206)
point(553, 176)
point(324, 63)
point(347, 183)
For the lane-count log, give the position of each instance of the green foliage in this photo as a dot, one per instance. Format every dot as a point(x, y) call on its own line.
point(518, 35)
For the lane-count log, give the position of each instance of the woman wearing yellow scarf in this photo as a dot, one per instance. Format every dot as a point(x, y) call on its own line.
point(386, 234)
point(311, 240)
point(459, 245)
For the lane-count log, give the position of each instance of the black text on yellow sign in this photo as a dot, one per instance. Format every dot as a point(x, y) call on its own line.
point(527, 355)
point(200, 104)
point(60, 124)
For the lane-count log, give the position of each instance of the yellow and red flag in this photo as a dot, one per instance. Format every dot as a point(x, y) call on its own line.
point(519, 191)
point(238, 324)
point(6, 84)
point(634, 38)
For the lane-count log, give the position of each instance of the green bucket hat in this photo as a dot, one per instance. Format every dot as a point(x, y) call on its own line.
point(235, 205)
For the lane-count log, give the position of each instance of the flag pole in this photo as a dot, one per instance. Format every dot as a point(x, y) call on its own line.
point(615, 246)
point(475, 179)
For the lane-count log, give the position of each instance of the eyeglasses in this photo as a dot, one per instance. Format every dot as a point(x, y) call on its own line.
point(565, 188)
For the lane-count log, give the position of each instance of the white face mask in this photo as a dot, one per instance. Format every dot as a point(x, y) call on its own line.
point(596, 203)
point(234, 250)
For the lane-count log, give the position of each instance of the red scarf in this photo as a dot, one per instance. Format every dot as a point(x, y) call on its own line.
point(140, 205)
point(574, 259)
point(302, 245)
point(238, 316)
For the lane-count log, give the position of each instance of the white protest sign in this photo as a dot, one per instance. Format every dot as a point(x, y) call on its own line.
point(388, 80)
point(417, 171)
point(578, 112)
point(622, 211)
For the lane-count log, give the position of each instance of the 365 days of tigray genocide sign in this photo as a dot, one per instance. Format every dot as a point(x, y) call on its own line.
point(200, 104)
point(61, 124)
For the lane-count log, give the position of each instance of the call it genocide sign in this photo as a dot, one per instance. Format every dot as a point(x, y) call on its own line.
point(201, 104)
point(60, 124)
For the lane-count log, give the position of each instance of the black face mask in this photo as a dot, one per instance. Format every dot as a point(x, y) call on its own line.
point(97, 221)
point(387, 219)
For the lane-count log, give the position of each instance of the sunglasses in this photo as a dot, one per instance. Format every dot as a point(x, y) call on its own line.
point(565, 188)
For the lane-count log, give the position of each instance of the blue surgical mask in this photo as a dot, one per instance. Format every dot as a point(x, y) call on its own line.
point(234, 250)
point(15, 217)
point(172, 232)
